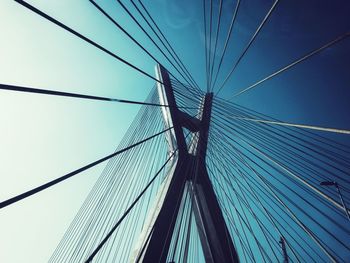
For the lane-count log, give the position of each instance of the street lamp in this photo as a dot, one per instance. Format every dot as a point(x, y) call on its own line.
point(329, 183)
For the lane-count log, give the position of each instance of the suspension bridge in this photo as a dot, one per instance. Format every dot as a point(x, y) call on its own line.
point(198, 177)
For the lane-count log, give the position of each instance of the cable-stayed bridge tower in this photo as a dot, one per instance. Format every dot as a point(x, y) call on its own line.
point(187, 175)
point(199, 177)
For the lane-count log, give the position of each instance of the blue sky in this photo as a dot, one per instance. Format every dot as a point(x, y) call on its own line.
point(43, 137)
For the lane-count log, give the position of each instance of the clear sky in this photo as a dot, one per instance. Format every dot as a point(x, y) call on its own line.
point(43, 137)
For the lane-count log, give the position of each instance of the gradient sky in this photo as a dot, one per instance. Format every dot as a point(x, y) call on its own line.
point(43, 137)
